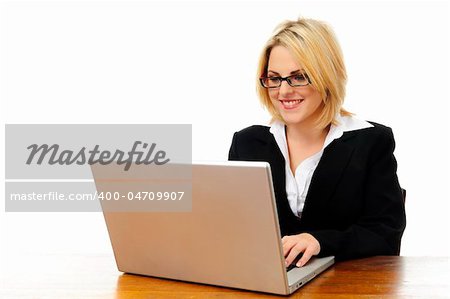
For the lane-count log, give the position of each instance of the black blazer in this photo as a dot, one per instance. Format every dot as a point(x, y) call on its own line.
point(354, 206)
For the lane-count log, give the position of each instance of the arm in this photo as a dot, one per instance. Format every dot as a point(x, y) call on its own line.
point(379, 229)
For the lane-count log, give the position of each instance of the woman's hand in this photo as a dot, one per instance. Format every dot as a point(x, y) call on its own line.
point(296, 244)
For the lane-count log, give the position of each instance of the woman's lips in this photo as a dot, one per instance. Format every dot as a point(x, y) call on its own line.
point(291, 104)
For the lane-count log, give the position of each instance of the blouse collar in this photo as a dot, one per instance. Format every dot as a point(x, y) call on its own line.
point(345, 124)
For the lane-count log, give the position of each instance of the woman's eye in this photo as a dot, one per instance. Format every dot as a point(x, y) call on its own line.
point(274, 79)
point(299, 78)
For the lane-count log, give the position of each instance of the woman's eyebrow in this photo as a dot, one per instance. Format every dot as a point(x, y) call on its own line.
point(293, 72)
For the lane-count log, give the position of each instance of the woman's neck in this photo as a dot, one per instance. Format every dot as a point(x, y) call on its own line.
point(306, 134)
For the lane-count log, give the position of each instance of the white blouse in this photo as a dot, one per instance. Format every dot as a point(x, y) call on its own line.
point(297, 184)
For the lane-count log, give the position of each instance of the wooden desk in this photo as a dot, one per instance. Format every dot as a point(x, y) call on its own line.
point(96, 276)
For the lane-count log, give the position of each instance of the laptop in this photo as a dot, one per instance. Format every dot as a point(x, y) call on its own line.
point(229, 237)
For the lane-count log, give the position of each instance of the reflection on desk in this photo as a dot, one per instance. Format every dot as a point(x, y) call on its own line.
point(96, 276)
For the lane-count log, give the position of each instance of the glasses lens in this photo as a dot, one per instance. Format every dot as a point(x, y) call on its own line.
point(271, 82)
point(298, 80)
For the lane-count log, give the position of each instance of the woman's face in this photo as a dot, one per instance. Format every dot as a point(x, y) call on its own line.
point(297, 105)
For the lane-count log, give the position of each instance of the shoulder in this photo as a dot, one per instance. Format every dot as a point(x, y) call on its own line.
point(365, 130)
point(380, 128)
point(247, 143)
point(255, 132)
point(378, 131)
point(252, 130)
point(372, 142)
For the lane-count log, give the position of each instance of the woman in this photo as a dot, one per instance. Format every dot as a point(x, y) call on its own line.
point(334, 175)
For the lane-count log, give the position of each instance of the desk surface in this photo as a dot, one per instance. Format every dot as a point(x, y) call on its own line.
point(96, 276)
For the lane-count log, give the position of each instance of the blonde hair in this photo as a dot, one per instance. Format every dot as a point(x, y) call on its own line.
point(314, 44)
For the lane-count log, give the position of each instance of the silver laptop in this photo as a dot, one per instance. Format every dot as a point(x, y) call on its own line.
point(230, 238)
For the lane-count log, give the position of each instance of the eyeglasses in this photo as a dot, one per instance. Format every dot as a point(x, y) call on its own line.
point(293, 80)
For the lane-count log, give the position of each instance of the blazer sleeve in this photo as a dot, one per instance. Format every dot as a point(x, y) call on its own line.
point(379, 229)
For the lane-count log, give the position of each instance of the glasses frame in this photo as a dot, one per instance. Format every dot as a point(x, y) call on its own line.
point(287, 79)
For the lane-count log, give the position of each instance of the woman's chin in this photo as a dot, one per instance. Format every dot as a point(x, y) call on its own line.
point(292, 120)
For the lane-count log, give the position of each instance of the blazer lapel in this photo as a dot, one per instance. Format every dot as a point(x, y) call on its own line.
point(271, 153)
point(334, 160)
point(327, 174)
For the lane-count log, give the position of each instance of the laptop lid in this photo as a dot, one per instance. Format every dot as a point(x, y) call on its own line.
point(230, 237)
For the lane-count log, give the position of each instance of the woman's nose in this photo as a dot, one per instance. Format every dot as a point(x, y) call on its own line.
point(285, 88)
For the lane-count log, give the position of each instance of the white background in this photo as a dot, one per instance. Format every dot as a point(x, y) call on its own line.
point(195, 62)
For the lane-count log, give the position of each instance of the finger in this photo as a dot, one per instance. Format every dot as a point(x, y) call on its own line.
point(291, 256)
point(307, 254)
point(295, 251)
point(284, 239)
point(287, 247)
